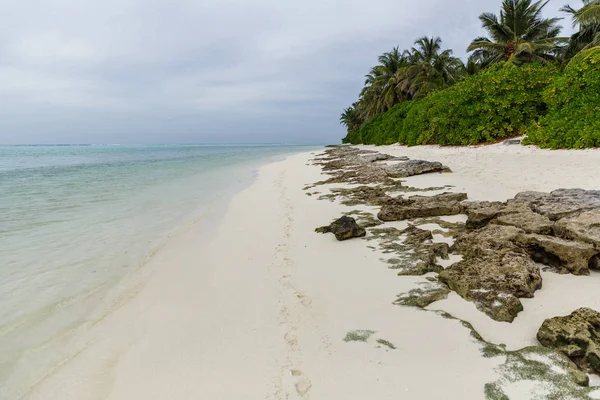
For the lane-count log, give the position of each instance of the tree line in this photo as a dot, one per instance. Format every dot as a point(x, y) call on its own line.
point(517, 37)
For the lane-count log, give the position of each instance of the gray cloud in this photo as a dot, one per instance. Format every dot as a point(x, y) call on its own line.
point(133, 71)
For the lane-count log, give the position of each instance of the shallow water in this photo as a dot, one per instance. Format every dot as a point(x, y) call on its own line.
point(75, 220)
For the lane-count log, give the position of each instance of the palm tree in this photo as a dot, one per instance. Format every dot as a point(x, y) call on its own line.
point(587, 18)
point(520, 35)
point(351, 119)
point(381, 86)
point(430, 68)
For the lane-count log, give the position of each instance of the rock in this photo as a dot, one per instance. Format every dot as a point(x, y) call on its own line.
point(494, 272)
point(376, 157)
point(567, 256)
point(577, 335)
point(562, 203)
point(480, 213)
point(527, 220)
point(351, 165)
point(584, 227)
point(344, 228)
point(414, 167)
point(421, 206)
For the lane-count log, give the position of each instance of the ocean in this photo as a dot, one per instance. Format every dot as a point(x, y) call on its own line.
point(77, 220)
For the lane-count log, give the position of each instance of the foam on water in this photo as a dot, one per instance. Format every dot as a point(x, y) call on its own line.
point(75, 220)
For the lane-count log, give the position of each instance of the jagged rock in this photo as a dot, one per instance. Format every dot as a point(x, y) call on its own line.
point(376, 157)
point(562, 203)
point(577, 335)
point(494, 272)
point(421, 206)
point(527, 220)
point(415, 167)
point(479, 213)
point(495, 282)
point(344, 228)
point(585, 227)
point(351, 165)
point(566, 256)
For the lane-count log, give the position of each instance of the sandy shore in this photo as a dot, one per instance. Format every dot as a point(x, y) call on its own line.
point(258, 307)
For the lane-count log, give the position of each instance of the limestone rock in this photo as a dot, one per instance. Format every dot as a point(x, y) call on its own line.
point(585, 227)
point(421, 206)
point(562, 203)
point(376, 157)
point(494, 272)
point(527, 220)
point(565, 255)
point(414, 167)
point(577, 335)
point(344, 228)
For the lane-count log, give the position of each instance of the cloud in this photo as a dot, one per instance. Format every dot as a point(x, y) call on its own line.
point(194, 71)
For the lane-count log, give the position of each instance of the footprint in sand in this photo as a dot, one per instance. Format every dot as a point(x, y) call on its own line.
point(303, 384)
point(306, 301)
point(291, 339)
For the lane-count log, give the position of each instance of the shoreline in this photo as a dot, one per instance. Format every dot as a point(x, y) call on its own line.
point(41, 360)
point(228, 318)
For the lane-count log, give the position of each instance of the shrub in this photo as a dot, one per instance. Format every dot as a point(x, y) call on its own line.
point(499, 102)
point(385, 128)
point(573, 98)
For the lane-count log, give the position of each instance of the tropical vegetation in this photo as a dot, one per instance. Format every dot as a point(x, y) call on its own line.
point(523, 78)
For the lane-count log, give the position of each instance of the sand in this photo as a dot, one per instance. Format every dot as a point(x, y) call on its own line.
point(258, 307)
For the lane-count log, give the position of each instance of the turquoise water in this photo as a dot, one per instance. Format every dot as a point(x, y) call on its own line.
point(75, 220)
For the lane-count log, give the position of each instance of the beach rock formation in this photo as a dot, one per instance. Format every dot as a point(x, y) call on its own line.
point(577, 335)
point(502, 244)
point(347, 164)
point(414, 167)
point(399, 209)
point(344, 228)
point(494, 272)
point(564, 255)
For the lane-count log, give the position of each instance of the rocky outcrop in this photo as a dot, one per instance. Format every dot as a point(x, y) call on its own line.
point(347, 164)
point(494, 272)
point(584, 227)
point(399, 209)
point(414, 167)
point(577, 335)
point(564, 255)
point(344, 228)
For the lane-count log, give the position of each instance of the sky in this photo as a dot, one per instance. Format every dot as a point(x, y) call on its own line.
point(205, 71)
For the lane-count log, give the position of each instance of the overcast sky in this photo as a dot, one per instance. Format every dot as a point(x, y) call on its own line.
point(184, 71)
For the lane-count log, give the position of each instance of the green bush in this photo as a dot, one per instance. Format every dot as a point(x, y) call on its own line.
point(498, 103)
point(385, 128)
point(573, 118)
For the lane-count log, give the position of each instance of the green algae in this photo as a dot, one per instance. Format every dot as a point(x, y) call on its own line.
point(359, 336)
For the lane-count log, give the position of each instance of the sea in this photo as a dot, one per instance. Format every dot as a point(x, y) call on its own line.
point(75, 220)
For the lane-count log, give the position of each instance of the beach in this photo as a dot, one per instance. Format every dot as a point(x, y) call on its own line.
point(257, 305)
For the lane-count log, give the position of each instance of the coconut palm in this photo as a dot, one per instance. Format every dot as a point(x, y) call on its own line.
point(381, 90)
point(587, 19)
point(519, 35)
point(351, 119)
point(429, 68)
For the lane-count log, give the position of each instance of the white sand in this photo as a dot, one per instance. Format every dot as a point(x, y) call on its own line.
point(260, 311)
